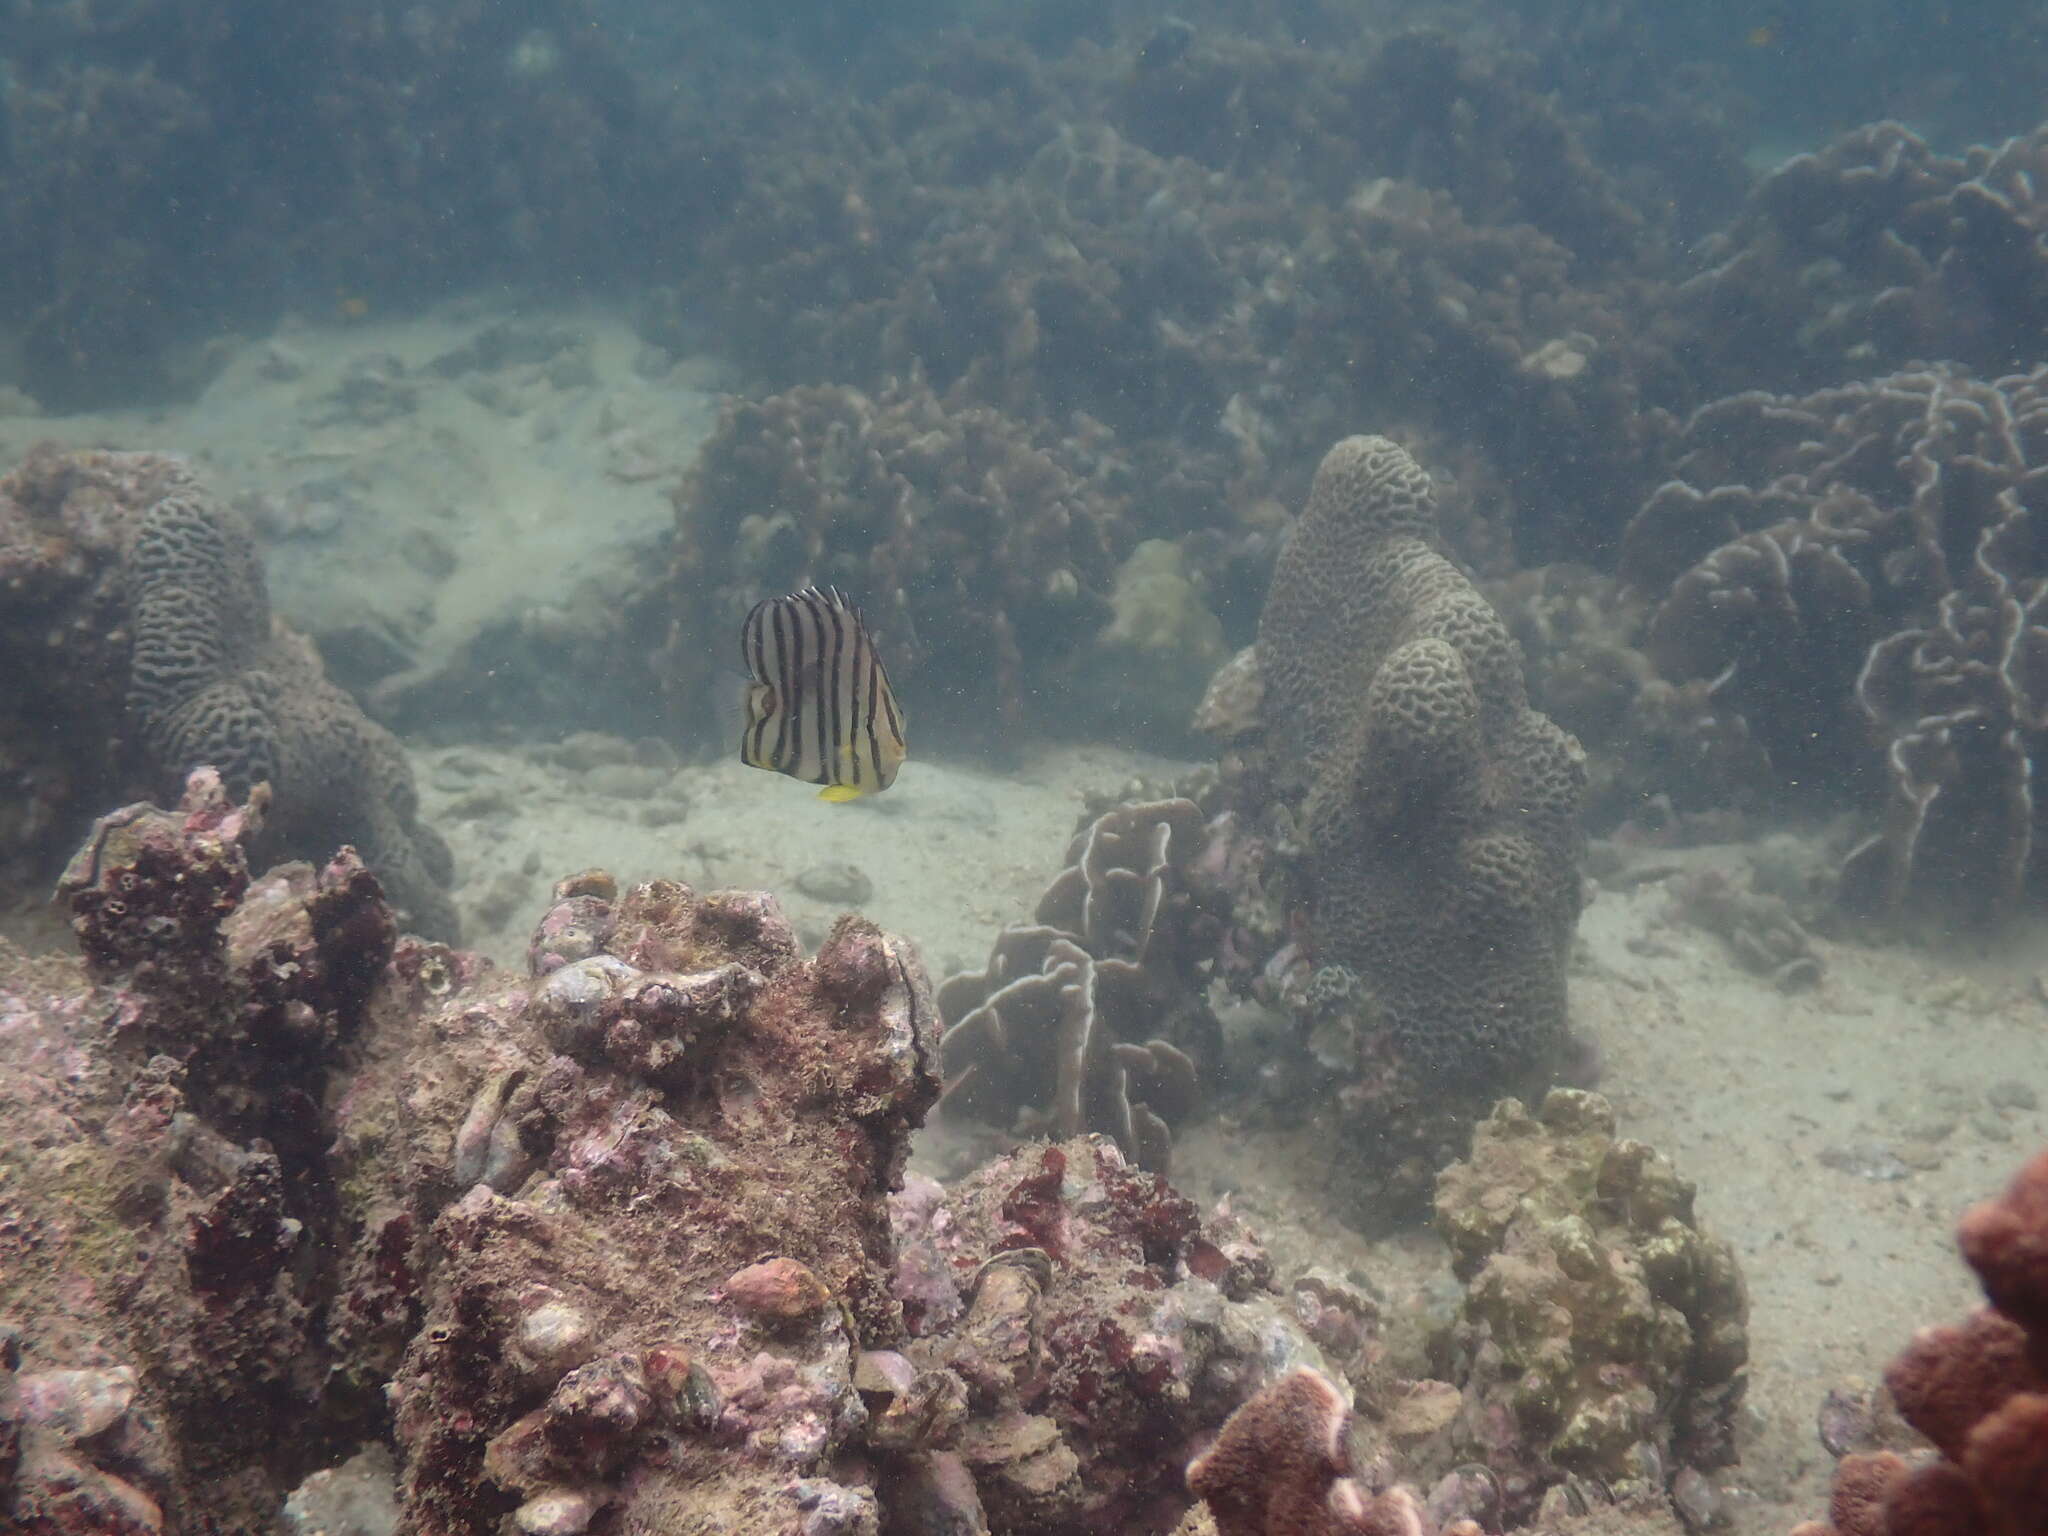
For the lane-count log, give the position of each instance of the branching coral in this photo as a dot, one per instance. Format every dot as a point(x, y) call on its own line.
point(1978, 1391)
point(151, 594)
point(1868, 562)
point(1085, 1019)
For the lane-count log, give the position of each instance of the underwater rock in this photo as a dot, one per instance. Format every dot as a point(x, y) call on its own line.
point(166, 1238)
point(1106, 1328)
point(648, 1192)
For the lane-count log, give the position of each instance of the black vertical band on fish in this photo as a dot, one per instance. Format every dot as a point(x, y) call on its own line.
point(819, 707)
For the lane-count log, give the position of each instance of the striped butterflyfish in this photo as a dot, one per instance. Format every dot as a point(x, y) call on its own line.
point(818, 705)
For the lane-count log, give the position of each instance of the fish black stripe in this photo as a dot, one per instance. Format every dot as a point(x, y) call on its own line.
point(876, 685)
point(889, 708)
point(754, 655)
point(830, 679)
point(811, 658)
point(861, 650)
point(789, 737)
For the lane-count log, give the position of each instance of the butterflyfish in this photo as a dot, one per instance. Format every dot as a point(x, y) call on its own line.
point(817, 704)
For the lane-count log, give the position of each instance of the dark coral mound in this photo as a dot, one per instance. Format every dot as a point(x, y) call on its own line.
point(1875, 252)
point(1859, 575)
point(1441, 815)
point(149, 593)
point(983, 550)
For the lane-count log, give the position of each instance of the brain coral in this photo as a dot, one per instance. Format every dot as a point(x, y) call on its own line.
point(98, 549)
point(1442, 812)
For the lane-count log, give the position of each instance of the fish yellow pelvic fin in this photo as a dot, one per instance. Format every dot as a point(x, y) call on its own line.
point(839, 794)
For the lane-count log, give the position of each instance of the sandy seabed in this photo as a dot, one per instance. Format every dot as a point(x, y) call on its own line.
point(1835, 1134)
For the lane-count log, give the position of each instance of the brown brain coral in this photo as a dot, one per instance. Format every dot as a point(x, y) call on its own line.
point(98, 547)
point(1442, 812)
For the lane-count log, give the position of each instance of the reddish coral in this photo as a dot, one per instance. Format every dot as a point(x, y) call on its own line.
point(1978, 1391)
point(1282, 1467)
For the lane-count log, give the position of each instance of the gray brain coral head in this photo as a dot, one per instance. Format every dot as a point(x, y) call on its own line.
point(1442, 812)
point(212, 681)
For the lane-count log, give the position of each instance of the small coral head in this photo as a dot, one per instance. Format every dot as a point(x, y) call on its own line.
point(1280, 1468)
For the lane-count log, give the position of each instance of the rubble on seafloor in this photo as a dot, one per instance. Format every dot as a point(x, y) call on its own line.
point(307, 1225)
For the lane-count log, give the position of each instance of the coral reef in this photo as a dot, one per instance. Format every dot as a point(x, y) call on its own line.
point(1097, 1327)
point(1093, 1016)
point(647, 1187)
point(161, 1222)
point(1873, 253)
point(612, 1234)
point(982, 553)
point(1977, 1390)
point(150, 592)
point(1441, 811)
point(1864, 564)
point(125, 128)
point(1603, 1333)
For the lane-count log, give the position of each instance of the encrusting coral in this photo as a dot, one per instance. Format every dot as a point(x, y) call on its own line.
point(150, 592)
point(1093, 1016)
point(1441, 813)
point(1977, 1390)
point(1603, 1333)
point(1864, 565)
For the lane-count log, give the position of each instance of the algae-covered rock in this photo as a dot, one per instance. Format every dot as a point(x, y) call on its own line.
point(1603, 1332)
point(1152, 662)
